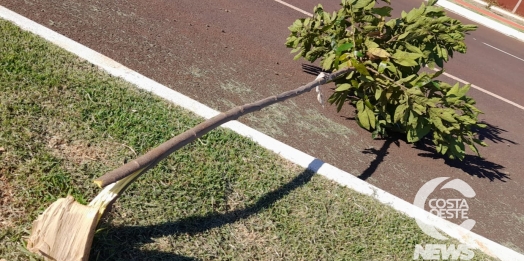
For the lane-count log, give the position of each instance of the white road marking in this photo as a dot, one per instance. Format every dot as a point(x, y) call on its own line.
point(447, 74)
point(296, 156)
point(502, 51)
point(484, 90)
point(294, 7)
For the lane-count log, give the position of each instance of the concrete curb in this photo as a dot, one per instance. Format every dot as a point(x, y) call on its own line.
point(500, 10)
point(477, 18)
point(300, 158)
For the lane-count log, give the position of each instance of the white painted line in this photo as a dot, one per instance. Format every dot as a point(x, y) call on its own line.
point(514, 56)
point(294, 7)
point(298, 157)
point(477, 18)
point(516, 6)
point(484, 90)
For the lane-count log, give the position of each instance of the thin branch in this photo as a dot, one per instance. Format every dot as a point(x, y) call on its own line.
point(387, 78)
point(151, 158)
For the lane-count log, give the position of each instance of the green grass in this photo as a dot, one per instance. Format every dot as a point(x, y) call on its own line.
point(64, 122)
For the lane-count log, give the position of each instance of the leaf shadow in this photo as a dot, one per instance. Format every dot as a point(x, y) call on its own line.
point(472, 164)
point(125, 242)
point(493, 134)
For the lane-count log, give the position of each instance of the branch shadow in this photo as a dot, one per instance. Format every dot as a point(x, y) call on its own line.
point(129, 239)
point(381, 154)
point(473, 165)
point(312, 69)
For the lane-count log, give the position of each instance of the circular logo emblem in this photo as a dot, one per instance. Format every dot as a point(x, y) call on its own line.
point(445, 208)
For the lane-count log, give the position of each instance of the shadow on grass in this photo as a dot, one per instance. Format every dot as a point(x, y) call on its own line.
point(473, 165)
point(123, 243)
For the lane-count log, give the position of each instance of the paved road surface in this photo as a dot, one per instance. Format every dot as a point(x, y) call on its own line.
point(227, 52)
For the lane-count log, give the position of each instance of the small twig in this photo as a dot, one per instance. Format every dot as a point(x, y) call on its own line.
point(387, 78)
point(132, 150)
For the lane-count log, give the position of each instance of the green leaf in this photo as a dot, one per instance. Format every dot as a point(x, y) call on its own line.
point(360, 106)
point(344, 47)
point(350, 75)
point(359, 36)
point(419, 109)
point(370, 44)
point(405, 58)
point(437, 122)
point(370, 5)
point(326, 63)
point(382, 66)
point(414, 14)
point(447, 115)
point(402, 36)
point(371, 118)
point(431, 3)
point(412, 119)
point(378, 93)
point(382, 11)
point(362, 114)
point(392, 23)
point(415, 91)
point(358, 53)
point(453, 91)
point(361, 68)
point(343, 87)
point(362, 3)
point(474, 148)
point(296, 26)
point(444, 149)
point(462, 92)
point(413, 48)
point(481, 143)
point(378, 52)
point(399, 112)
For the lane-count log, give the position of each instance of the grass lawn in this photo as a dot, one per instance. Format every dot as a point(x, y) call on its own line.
point(64, 122)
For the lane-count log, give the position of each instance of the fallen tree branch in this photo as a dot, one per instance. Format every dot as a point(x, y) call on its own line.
point(151, 158)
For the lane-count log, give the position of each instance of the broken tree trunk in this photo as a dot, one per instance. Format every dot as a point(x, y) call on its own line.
point(66, 229)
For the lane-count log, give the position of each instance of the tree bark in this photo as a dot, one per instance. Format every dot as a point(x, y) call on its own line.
point(151, 158)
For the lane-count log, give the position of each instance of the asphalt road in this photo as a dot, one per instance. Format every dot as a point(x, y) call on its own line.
point(224, 53)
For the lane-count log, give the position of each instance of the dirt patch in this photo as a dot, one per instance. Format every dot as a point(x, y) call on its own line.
point(77, 151)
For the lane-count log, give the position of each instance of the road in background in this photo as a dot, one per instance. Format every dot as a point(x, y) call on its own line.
point(232, 52)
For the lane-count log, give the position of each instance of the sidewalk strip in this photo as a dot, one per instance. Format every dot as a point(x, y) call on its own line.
point(300, 158)
point(477, 18)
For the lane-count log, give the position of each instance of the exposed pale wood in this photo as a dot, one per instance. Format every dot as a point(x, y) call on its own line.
point(66, 228)
point(64, 231)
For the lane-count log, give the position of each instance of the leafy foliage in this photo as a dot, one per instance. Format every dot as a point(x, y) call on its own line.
point(388, 87)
